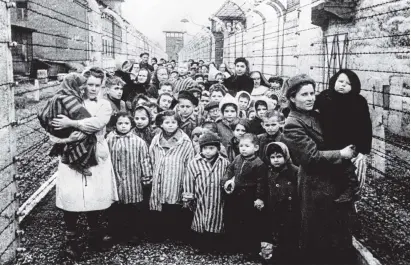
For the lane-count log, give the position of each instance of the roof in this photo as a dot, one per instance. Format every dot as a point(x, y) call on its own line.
point(230, 10)
point(21, 28)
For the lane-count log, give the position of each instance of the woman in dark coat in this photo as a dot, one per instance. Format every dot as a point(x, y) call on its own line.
point(326, 236)
point(139, 86)
point(241, 80)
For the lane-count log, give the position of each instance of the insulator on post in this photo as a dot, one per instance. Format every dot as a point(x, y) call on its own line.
point(311, 67)
point(13, 44)
point(19, 232)
point(19, 250)
point(10, 4)
point(16, 159)
point(16, 177)
point(17, 195)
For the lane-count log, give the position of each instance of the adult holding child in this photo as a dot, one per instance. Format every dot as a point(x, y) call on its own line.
point(326, 225)
point(76, 193)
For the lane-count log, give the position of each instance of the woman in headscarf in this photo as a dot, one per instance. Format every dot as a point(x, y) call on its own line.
point(76, 193)
point(326, 236)
point(241, 80)
point(160, 75)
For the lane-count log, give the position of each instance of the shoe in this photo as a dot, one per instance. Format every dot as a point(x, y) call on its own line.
point(71, 249)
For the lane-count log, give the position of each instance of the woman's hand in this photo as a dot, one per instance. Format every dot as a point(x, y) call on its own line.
point(348, 152)
point(62, 122)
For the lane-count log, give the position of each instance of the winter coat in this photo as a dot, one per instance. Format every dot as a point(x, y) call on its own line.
point(233, 149)
point(264, 140)
point(282, 203)
point(190, 123)
point(202, 184)
point(326, 225)
point(131, 164)
point(234, 84)
point(255, 126)
point(147, 134)
point(77, 193)
point(169, 166)
point(345, 118)
point(240, 215)
point(146, 66)
point(225, 130)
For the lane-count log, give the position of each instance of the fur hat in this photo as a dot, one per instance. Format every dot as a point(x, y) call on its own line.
point(188, 96)
point(292, 84)
point(209, 138)
point(211, 105)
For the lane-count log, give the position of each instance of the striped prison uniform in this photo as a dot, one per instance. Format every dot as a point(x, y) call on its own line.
point(81, 152)
point(202, 184)
point(131, 165)
point(169, 167)
point(182, 84)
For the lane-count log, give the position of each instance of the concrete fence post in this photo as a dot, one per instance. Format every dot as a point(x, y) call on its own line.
point(8, 187)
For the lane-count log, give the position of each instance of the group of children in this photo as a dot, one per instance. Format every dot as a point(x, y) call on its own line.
point(200, 157)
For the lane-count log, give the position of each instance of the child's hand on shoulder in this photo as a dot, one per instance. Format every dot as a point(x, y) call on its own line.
point(259, 204)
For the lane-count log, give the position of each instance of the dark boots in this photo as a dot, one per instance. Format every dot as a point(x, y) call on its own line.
point(71, 248)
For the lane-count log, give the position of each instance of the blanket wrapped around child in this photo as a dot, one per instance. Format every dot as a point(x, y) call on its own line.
point(68, 102)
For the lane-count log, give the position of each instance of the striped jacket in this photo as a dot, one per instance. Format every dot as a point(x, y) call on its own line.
point(169, 167)
point(202, 183)
point(131, 164)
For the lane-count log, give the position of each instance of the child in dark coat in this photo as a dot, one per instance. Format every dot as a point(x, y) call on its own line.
point(261, 107)
point(239, 130)
point(243, 183)
point(271, 123)
point(345, 120)
point(282, 205)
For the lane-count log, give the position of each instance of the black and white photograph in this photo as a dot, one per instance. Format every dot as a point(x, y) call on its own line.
point(205, 132)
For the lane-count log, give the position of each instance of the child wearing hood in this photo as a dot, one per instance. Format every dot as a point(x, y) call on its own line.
point(229, 118)
point(142, 119)
point(282, 206)
point(244, 101)
point(202, 191)
point(345, 120)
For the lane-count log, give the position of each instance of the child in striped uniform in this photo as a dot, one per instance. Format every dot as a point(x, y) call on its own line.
point(202, 192)
point(170, 151)
point(132, 170)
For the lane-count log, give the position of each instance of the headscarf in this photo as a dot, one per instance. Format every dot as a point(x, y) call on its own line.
point(263, 81)
point(71, 85)
point(274, 146)
point(354, 80)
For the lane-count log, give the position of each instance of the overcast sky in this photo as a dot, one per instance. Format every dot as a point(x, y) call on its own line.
point(152, 17)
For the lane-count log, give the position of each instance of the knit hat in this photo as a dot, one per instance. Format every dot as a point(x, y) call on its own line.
point(291, 85)
point(209, 138)
point(211, 105)
point(188, 96)
point(228, 100)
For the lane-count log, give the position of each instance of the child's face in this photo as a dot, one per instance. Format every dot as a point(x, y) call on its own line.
point(251, 115)
point(197, 94)
point(165, 102)
point(275, 85)
point(141, 119)
point(277, 160)
point(173, 75)
point(343, 84)
point(214, 113)
point(204, 100)
point(164, 89)
point(115, 92)
point(200, 79)
point(261, 110)
point(162, 75)
point(209, 151)
point(220, 79)
point(247, 147)
point(123, 125)
point(243, 103)
point(169, 124)
point(216, 96)
point(185, 108)
point(239, 131)
point(141, 101)
point(271, 125)
point(275, 102)
point(230, 113)
point(182, 69)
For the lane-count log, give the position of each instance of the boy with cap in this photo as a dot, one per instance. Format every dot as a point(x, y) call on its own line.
point(186, 104)
point(202, 192)
point(213, 111)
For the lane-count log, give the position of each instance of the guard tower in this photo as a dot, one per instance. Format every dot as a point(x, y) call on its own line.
point(174, 43)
